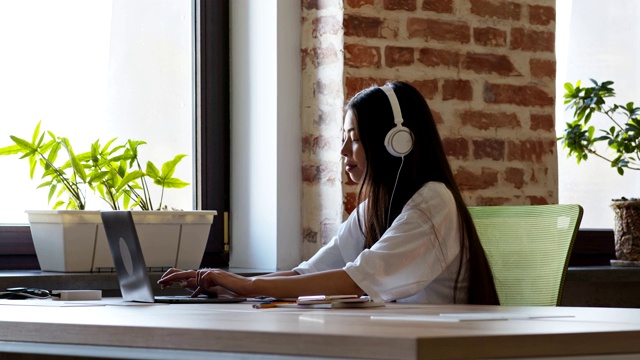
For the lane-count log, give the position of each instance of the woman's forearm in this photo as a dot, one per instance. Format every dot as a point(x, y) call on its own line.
point(333, 282)
point(285, 284)
point(280, 273)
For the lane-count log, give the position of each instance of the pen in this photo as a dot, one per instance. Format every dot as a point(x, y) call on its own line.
point(264, 305)
point(273, 304)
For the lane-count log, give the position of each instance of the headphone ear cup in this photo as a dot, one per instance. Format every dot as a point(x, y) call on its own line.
point(399, 141)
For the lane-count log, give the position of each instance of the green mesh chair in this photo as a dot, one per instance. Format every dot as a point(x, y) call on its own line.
point(528, 249)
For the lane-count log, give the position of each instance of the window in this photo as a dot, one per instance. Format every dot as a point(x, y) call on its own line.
point(96, 70)
point(596, 40)
point(109, 35)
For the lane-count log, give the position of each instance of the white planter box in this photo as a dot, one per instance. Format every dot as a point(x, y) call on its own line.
point(75, 241)
point(65, 240)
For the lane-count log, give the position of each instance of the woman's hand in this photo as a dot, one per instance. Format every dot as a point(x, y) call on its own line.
point(182, 277)
point(185, 278)
point(211, 282)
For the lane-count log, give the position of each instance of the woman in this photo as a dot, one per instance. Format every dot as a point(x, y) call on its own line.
point(411, 239)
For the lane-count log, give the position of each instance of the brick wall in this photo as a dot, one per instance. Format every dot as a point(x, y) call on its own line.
point(487, 70)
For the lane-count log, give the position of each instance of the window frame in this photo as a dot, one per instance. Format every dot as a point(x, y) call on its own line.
point(211, 135)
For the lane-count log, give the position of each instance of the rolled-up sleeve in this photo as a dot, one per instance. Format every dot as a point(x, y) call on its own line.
point(343, 248)
point(327, 258)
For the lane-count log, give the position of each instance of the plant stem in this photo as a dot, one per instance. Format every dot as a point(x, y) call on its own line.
point(612, 119)
point(69, 185)
point(593, 152)
point(145, 188)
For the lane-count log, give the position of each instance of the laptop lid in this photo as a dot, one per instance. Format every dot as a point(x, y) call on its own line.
point(128, 259)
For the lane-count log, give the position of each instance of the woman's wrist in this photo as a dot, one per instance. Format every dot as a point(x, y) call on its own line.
point(257, 287)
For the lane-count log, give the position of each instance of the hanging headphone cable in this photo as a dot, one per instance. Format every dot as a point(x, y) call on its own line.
point(393, 192)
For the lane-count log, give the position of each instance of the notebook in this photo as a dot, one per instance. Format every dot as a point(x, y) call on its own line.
point(130, 265)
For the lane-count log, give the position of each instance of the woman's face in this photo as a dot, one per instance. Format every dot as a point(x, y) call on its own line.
point(352, 150)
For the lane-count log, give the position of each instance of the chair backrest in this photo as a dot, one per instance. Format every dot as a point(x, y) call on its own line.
point(528, 248)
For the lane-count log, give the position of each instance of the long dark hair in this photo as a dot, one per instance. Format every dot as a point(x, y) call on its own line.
point(426, 162)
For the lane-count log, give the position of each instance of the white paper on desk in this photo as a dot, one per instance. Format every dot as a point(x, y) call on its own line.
point(335, 301)
point(133, 303)
point(328, 299)
point(466, 317)
point(49, 303)
point(499, 316)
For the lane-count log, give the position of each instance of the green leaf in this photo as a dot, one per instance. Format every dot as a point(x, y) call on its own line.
point(36, 132)
point(122, 168)
point(100, 188)
point(58, 204)
point(52, 191)
point(130, 177)
point(107, 145)
point(78, 169)
point(32, 166)
point(122, 157)
point(169, 167)
point(53, 153)
point(10, 150)
point(43, 148)
point(45, 184)
point(569, 87)
point(152, 171)
point(126, 200)
point(98, 177)
point(172, 183)
point(25, 145)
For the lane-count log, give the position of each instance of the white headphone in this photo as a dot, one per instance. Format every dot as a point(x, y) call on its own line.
point(399, 140)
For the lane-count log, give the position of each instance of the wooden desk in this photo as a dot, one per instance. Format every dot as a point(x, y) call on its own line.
point(239, 331)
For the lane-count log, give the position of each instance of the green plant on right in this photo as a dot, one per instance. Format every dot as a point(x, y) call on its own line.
point(622, 136)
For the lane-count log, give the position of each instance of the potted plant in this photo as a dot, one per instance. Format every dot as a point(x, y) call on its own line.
point(73, 240)
point(622, 151)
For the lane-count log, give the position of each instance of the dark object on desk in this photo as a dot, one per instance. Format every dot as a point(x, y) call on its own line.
point(130, 265)
point(14, 296)
point(21, 293)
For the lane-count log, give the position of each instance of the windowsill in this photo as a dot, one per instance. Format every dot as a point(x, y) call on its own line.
point(603, 273)
point(107, 282)
point(602, 286)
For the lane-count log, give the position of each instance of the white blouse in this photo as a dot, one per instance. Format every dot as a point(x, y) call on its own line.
point(415, 260)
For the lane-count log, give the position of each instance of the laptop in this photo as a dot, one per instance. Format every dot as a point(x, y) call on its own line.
point(130, 265)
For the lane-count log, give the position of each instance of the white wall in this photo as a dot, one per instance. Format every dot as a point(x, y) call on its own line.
point(265, 220)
